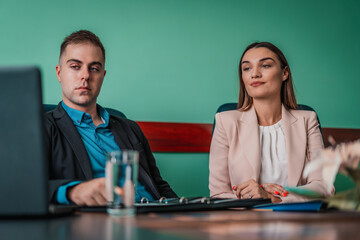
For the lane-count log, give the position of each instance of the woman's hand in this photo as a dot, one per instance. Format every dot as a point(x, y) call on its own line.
point(251, 189)
point(274, 189)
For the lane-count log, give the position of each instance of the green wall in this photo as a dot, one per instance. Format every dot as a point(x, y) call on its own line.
point(177, 61)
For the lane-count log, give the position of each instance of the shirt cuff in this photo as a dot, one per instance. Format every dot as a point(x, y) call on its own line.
point(61, 193)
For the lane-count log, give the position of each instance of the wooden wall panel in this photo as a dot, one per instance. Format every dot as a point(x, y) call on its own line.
point(177, 137)
point(340, 134)
point(196, 137)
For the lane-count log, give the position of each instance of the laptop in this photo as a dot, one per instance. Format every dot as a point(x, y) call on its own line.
point(23, 163)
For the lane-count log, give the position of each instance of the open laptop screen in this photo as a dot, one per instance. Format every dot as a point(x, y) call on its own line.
point(23, 167)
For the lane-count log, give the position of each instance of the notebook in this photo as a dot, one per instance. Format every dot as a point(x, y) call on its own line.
point(23, 163)
point(197, 204)
point(185, 204)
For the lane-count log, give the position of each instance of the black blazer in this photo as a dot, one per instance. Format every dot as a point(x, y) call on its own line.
point(69, 160)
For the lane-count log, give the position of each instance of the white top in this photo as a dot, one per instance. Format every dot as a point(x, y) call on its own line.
point(273, 155)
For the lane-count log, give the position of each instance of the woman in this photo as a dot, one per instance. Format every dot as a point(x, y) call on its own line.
point(264, 144)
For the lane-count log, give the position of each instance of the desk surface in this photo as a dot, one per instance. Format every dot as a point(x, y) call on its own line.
point(234, 224)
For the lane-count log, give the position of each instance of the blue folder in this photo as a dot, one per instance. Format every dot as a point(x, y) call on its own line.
point(311, 206)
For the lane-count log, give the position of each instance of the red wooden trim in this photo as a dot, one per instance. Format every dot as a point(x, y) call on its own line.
point(177, 137)
point(340, 134)
point(196, 137)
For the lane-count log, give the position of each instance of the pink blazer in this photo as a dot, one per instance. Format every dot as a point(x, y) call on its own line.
point(235, 151)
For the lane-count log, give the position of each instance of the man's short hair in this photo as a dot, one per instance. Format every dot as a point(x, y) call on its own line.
point(82, 36)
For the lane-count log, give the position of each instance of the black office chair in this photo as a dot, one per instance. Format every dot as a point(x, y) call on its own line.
point(233, 106)
point(50, 107)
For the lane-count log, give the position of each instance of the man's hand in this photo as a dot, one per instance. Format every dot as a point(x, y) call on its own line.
point(90, 193)
point(251, 189)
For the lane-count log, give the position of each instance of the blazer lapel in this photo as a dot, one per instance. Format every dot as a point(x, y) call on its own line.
point(73, 137)
point(295, 152)
point(122, 138)
point(250, 140)
point(120, 135)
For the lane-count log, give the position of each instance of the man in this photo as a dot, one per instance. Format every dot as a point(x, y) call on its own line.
point(79, 131)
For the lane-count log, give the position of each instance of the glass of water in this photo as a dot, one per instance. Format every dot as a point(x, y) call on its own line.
point(121, 175)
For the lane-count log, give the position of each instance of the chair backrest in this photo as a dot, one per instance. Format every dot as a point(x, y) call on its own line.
point(233, 106)
point(50, 107)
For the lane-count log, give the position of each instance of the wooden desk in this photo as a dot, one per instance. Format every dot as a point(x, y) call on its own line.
point(235, 224)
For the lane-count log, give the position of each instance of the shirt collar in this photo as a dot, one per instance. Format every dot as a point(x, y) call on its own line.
point(78, 116)
point(105, 116)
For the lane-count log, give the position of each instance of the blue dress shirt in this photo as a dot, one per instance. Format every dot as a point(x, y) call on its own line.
point(98, 141)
